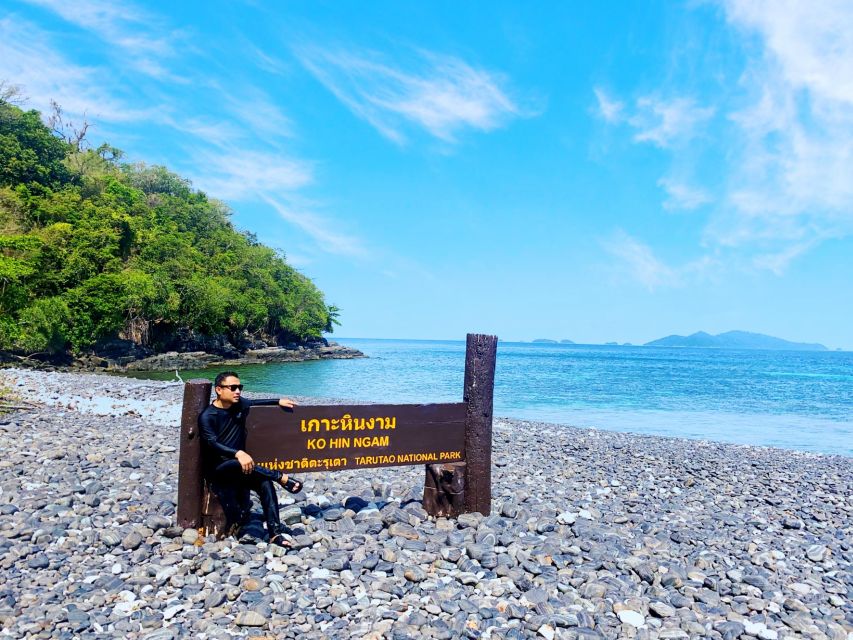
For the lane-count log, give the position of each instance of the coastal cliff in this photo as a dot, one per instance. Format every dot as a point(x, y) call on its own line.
point(133, 358)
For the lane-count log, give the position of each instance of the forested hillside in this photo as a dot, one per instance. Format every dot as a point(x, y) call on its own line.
point(93, 249)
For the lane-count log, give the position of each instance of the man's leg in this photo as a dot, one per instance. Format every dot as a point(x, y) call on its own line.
point(232, 467)
point(265, 488)
point(232, 489)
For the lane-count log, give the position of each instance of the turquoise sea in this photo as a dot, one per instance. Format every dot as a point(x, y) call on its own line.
point(796, 400)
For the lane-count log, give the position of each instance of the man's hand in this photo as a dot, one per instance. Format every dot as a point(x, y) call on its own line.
point(287, 403)
point(245, 461)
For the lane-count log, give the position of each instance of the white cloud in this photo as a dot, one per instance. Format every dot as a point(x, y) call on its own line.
point(257, 110)
point(610, 110)
point(320, 230)
point(666, 123)
point(29, 59)
point(786, 140)
point(240, 174)
point(138, 34)
point(638, 261)
point(792, 180)
point(682, 196)
point(440, 94)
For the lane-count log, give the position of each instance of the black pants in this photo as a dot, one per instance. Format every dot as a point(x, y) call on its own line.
point(232, 487)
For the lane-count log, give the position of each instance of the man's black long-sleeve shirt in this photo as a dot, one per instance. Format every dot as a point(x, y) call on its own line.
point(223, 431)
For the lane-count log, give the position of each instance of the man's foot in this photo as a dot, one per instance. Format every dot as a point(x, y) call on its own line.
point(291, 485)
point(282, 540)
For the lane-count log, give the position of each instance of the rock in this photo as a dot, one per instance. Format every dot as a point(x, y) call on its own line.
point(250, 619)
point(634, 618)
point(403, 530)
point(547, 632)
point(157, 522)
point(817, 553)
point(414, 574)
point(567, 517)
point(131, 541)
point(38, 561)
point(331, 515)
point(291, 515)
point(661, 609)
point(251, 584)
point(189, 536)
point(110, 538)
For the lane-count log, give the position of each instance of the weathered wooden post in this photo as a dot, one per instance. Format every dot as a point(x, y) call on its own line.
point(462, 487)
point(480, 356)
point(190, 481)
point(198, 506)
point(444, 490)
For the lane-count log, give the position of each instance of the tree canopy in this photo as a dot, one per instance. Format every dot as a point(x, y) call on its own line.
point(93, 248)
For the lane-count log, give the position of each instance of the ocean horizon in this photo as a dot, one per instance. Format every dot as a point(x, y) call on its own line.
point(800, 400)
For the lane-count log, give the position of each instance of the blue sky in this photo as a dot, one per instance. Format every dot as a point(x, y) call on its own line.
point(591, 171)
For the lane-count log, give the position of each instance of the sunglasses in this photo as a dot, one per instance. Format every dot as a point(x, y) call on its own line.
point(233, 387)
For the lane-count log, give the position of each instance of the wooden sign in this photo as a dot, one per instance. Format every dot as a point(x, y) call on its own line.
point(452, 441)
point(336, 438)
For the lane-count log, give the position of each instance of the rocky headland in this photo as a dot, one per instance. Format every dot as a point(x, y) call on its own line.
point(592, 534)
point(120, 356)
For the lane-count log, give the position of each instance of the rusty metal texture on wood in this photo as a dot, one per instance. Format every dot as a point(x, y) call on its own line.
point(444, 490)
point(480, 357)
point(212, 515)
point(190, 487)
point(337, 438)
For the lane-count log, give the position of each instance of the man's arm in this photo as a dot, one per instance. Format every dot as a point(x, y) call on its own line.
point(287, 403)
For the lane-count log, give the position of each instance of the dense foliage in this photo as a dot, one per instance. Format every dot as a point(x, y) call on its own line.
point(91, 248)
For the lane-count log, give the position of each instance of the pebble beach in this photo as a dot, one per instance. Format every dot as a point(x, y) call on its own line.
point(593, 534)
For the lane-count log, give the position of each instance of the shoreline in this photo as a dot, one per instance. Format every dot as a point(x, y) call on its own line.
point(593, 534)
point(174, 360)
point(88, 402)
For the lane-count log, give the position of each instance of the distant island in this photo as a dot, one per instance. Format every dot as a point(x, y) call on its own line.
point(549, 341)
point(734, 340)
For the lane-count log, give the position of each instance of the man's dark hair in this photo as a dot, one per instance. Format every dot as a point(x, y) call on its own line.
point(221, 377)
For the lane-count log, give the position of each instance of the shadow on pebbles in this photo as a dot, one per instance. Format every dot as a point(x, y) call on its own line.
point(592, 534)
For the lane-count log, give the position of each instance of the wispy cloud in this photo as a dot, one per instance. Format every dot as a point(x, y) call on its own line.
point(231, 172)
point(256, 109)
point(682, 196)
point(666, 123)
point(662, 122)
point(784, 138)
point(790, 182)
point(79, 89)
point(440, 94)
point(319, 229)
point(609, 109)
point(137, 33)
point(235, 174)
point(636, 261)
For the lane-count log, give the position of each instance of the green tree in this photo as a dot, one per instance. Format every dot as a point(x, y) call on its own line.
point(91, 248)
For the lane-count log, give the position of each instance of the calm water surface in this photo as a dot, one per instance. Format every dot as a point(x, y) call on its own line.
point(798, 400)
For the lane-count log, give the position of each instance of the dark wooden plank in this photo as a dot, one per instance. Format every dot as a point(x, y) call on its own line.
point(480, 357)
point(190, 482)
point(444, 490)
point(337, 438)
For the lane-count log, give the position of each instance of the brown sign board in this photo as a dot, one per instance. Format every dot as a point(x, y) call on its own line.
point(336, 438)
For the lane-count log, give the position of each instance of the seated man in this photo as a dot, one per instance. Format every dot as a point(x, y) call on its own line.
point(231, 471)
